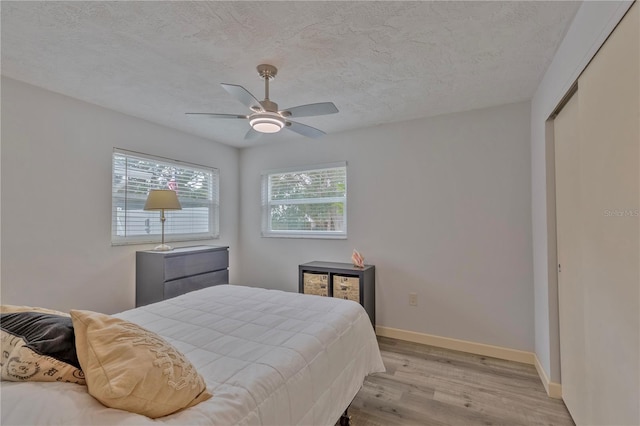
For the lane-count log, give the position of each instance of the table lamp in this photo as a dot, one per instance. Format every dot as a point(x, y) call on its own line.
point(162, 199)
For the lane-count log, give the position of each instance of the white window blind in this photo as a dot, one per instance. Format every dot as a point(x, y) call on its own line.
point(197, 187)
point(305, 202)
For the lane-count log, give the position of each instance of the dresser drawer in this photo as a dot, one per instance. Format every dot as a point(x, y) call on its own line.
point(317, 284)
point(346, 287)
point(195, 282)
point(195, 263)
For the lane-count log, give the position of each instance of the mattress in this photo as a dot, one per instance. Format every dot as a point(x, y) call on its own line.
point(269, 357)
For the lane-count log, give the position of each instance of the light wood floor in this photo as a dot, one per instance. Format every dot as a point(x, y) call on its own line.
point(425, 385)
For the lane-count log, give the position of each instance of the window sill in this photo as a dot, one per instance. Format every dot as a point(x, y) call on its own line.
point(304, 235)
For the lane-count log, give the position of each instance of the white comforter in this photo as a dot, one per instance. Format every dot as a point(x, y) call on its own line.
point(269, 357)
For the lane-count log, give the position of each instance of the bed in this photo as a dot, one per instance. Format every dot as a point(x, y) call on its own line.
point(269, 357)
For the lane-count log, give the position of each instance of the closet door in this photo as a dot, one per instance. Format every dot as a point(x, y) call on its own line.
point(609, 109)
point(597, 138)
point(569, 229)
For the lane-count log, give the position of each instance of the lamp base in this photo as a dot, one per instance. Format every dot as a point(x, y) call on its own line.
point(163, 247)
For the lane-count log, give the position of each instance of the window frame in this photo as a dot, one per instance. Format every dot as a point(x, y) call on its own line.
point(266, 230)
point(213, 206)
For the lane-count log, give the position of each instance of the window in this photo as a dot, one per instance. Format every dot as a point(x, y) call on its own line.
point(305, 202)
point(134, 174)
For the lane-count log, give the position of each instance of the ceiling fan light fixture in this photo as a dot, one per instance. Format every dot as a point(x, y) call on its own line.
point(265, 116)
point(266, 122)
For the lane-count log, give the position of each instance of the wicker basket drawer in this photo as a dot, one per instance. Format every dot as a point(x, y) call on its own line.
point(346, 287)
point(317, 284)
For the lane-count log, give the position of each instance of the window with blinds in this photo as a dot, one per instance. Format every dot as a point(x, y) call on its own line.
point(305, 202)
point(134, 174)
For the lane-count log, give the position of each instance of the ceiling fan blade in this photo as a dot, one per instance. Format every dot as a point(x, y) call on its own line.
point(243, 95)
point(304, 130)
point(322, 108)
point(214, 115)
point(252, 134)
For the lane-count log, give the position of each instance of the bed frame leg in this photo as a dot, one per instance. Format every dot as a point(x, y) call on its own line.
point(345, 419)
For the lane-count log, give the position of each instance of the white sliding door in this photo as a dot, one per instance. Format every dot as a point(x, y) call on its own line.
point(609, 121)
point(597, 138)
point(569, 231)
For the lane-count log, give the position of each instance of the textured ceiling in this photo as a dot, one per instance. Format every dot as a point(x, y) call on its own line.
point(379, 62)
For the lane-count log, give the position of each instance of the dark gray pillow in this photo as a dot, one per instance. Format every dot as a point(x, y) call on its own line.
point(38, 346)
point(45, 334)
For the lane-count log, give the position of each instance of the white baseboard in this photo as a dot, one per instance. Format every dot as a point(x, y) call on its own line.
point(457, 345)
point(554, 390)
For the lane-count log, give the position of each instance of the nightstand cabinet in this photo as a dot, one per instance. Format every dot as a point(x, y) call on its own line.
point(162, 275)
point(341, 280)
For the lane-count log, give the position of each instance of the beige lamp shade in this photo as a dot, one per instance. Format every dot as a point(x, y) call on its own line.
point(159, 199)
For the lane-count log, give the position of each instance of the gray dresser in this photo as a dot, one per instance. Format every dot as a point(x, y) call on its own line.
point(164, 274)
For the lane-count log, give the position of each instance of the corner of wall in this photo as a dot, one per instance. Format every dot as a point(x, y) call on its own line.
point(554, 390)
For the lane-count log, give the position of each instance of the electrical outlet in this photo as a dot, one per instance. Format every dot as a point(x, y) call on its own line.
point(413, 299)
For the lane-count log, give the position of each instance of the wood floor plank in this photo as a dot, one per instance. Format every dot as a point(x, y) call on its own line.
point(425, 385)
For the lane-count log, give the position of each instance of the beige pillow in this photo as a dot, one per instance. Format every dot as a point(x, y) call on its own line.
point(37, 345)
point(133, 369)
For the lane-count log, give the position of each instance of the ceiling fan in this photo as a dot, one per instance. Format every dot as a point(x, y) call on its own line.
point(265, 116)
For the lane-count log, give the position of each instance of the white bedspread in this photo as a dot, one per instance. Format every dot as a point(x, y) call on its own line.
point(269, 357)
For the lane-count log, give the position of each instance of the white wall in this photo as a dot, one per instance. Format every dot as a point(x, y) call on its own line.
point(56, 198)
point(589, 29)
point(441, 206)
point(457, 187)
